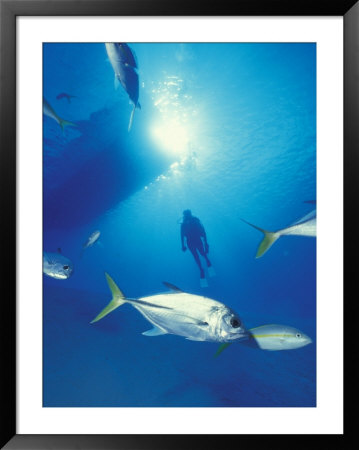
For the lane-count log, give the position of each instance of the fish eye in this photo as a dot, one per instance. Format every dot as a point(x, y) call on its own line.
point(298, 335)
point(66, 267)
point(235, 322)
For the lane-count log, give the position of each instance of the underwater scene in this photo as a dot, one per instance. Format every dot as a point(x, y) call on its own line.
point(179, 225)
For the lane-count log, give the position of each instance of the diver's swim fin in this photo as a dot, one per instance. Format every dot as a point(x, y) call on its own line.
point(117, 299)
point(269, 239)
point(203, 282)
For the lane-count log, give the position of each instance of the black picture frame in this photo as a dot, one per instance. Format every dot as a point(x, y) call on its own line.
point(9, 10)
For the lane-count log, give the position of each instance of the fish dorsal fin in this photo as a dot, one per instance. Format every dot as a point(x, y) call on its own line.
point(254, 226)
point(172, 286)
point(306, 218)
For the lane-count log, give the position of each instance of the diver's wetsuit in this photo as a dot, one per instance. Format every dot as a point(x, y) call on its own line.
point(193, 231)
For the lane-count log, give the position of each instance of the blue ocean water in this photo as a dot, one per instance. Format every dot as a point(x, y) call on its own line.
point(226, 130)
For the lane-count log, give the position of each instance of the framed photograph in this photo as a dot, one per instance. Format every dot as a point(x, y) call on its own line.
point(163, 169)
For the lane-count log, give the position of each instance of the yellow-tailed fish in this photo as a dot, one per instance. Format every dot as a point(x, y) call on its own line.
point(125, 68)
point(56, 265)
point(272, 338)
point(194, 317)
point(50, 112)
point(306, 226)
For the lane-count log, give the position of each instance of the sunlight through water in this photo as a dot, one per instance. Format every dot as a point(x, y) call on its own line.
point(173, 130)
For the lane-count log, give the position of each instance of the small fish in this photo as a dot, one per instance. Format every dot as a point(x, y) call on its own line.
point(64, 95)
point(57, 266)
point(91, 240)
point(194, 317)
point(124, 66)
point(273, 338)
point(306, 226)
point(49, 111)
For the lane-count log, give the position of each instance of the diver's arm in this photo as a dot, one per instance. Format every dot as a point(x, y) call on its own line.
point(204, 237)
point(206, 246)
point(203, 234)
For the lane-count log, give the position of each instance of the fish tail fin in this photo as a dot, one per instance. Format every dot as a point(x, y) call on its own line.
point(117, 299)
point(66, 123)
point(131, 117)
point(269, 238)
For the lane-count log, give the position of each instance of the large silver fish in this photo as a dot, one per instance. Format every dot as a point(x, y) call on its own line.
point(127, 56)
point(124, 66)
point(192, 316)
point(306, 226)
point(273, 338)
point(50, 112)
point(55, 265)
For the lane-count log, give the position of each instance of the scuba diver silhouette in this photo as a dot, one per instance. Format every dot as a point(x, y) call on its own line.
point(195, 234)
